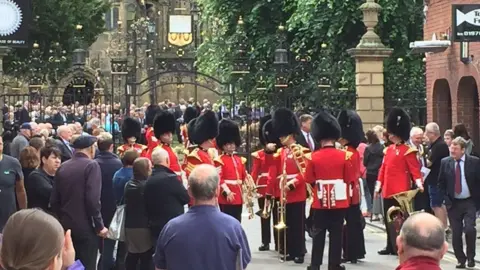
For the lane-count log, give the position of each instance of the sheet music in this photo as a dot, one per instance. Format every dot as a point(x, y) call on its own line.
point(425, 172)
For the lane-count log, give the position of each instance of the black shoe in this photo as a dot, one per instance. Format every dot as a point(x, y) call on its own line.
point(471, 263)
point(354, 261)
point(264, 247)
point(299, 260)
point(311, 267)
point(336, 267)
point(460, 266)
point(385, 252)
point(288, 258)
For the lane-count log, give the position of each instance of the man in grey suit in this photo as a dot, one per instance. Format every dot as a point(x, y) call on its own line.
point(459, 181)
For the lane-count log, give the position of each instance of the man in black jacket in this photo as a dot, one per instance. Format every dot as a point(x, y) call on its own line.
point(437, 150)
point(165, 195)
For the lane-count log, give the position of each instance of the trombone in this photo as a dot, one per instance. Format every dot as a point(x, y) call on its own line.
point(282, 213)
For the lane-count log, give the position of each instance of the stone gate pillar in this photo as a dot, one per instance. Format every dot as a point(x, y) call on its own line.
point(369, 56)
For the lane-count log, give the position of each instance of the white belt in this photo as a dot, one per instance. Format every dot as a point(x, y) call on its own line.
point(329, 182)
point(263, 175)
point(289, 176)
point(231, 182)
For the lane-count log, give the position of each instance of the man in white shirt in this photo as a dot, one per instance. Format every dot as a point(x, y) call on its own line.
point(421, 200)
point(305, 139)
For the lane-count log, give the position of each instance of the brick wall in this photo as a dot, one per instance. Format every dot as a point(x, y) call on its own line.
point(464, 100)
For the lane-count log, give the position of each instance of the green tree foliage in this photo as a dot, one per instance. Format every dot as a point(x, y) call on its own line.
point(55, 21)
point(311, 23)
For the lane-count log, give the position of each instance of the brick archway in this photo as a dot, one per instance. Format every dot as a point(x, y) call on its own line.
point(442, 104)
point(468, 107)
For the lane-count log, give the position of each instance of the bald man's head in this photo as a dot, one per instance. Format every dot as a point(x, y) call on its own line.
point(422, 234)
point(203, 183)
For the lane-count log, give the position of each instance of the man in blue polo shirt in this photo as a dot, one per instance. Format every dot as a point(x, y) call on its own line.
point(204, 238)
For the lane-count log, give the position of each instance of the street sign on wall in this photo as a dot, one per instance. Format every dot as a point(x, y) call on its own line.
point(15, 17)
point(466, 22)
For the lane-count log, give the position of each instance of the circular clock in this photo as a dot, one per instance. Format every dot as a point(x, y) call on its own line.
point(11, 17)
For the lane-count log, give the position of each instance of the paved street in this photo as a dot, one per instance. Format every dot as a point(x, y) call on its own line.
point(375, 240)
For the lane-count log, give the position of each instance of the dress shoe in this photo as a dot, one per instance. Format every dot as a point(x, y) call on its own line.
point(299, 260)
point(264, 247)
point(385, 252)
point(461, 266)
point(336, 267)
point(354, 261)
point(471, 263)
point(312, 267)
point(288, 258)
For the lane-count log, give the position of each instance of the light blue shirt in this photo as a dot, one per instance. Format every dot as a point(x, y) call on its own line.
point(465, 194)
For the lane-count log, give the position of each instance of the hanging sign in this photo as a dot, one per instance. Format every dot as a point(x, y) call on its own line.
point(466, 23)
point(15, 22)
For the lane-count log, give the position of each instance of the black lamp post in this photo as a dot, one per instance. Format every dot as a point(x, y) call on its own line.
point(281, 63)
point(36, 77)
point(119, 72)
point(241, 66)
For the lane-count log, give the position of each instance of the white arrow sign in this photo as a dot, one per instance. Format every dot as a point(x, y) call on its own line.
point(472, 17)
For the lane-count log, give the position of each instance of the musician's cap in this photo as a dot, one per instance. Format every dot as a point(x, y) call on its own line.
point(205, 127)
point(83, 142)
point(325, 126)
point(398, 123)
point(261, 134)
point(191, 131)
point(150, 114)
point(164, 122)
point(285, 123)
point(352, 127)
point(131, 128)
point(228, 132)
point(268, 134)
point(189, 114)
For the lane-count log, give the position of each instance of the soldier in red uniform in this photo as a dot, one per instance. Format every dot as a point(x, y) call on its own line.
point(353, 238)
point(287, 172)
point(131, 132)
point(260, 176)
point(231, 169)
point(400, 167)
point(150, 138)
point(164, 128)
point(202, 132)
point(331, 174)
point(189, 114)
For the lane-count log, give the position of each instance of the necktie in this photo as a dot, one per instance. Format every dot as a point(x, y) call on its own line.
point(458, 178)
point(309, 141)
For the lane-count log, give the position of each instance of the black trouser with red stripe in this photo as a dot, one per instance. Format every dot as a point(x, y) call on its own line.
point(295, 221)
point(232, 210)
point(265, 223)
point(353, 238)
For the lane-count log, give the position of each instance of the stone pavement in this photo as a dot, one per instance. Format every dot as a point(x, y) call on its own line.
point(380, 226)
point(374, 239)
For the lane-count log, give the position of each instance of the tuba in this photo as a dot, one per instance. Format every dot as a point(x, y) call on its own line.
point(396, 215)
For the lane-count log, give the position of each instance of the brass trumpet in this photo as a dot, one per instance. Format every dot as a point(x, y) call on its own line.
point(282, 213)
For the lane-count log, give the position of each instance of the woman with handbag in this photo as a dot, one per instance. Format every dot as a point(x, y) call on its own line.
point(137, 233)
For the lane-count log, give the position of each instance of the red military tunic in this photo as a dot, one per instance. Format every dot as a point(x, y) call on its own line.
point(232, 173)
point(184, 134)
point(152, 142)
point(196, 157)
point(283, 162)
point(260, 171)
point(140, 148)
point(400, 167)
point(355, 185)
point(331, 172)
point(172, 157)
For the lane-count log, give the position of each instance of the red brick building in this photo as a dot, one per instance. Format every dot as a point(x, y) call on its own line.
point(452, 86)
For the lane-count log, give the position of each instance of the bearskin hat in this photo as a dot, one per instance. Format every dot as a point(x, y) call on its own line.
point(164, 122)
point(131, 128)
point(285, 123)
point(150, 114)
point(398, 123)
point(228, 132)
point(189, 114)
point(352, 127)
point(261, 124)
point(191, 131)
point(325, 126)
point(268, 134)
point(206, 127)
